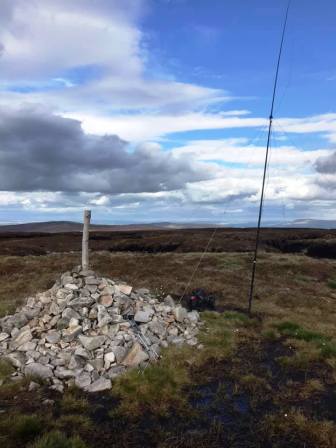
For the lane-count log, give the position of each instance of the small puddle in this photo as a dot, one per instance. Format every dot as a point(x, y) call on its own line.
point(216, 400)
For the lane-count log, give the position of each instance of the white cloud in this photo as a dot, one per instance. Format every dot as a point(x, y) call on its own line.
point(150, 127)
point(240, 151)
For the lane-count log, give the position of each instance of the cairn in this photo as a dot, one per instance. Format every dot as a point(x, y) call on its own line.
point(87, 330)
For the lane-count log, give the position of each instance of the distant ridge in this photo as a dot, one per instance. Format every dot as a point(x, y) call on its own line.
point(71, 226)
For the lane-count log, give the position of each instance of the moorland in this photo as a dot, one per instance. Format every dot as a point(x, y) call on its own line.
point(265, 380)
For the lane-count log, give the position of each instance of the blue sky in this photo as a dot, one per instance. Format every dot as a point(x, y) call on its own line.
point(156, 110)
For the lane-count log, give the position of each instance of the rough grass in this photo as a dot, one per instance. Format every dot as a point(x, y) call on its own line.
point(282, 361)
point(56, 439)
point(159, 388)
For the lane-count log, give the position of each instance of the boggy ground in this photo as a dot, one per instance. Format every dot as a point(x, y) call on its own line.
point(314, 242)
point(265, 381)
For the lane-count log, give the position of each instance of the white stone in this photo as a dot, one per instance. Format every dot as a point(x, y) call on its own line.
point(180, 313)
point(142, 316)
point(71, 286)
point(109, 358)
point(3, 336)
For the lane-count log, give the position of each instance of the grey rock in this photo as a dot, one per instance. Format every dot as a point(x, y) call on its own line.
point(193, 316)
point(69, 313)
point(180, 313)
point(135, 356)
point(142, 316)
point(99, 385)
point(120, 353)
point(53, 336)
point(16, 359)
point(27, 346)
point(3, 336)
point(105, 300)
point(37, 370)
point(115, 371)
point(71, 287)
point(158, 328)
point(70, 333)
point(124, 289)
point(93, 342)
point(64, 374)
point(169, 301)
point(24, 335)
point(19, 320)
point(97, 364)
point(83, 380)
point(54, 309)
point(92, 281)
point(62, 323)
point(80, 302)
point(80, 351)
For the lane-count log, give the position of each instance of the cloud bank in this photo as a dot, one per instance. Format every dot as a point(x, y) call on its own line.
point(41, 151)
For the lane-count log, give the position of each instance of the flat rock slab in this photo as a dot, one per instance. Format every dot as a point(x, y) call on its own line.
point(142, 316)
point(37, 370)
point(125, 289)
point(100, 385)
point(92, 342)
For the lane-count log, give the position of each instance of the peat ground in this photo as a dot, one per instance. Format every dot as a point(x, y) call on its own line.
point(265, 381)
point(314, 242)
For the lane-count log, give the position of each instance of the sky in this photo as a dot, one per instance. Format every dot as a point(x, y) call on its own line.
point(157, 110)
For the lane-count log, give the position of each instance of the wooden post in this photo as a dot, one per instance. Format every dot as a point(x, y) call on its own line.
point(85, 241)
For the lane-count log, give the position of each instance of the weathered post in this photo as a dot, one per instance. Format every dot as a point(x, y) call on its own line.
point(85, 241)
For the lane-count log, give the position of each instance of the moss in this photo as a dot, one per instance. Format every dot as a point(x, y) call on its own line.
point(324, 343)
point(332, 283)
point(5, 369)
point(294, 330)
point(236, 316)
point(55, 439)
point(157, 388)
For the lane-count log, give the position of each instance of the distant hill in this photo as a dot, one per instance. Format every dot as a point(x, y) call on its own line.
point(312, 224)
point(71, 226)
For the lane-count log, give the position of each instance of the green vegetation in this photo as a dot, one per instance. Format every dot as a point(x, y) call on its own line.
point(26, 427)
point(56, 439)
point(326, 346)
point(5, 369)
point(73, 401)
point(332, 283)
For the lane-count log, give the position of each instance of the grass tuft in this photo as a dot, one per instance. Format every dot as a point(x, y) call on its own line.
point(332, 283)
point(5, 369)
point(55, 439)
point(26, 427)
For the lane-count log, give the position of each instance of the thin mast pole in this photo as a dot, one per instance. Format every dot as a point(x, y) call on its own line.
point(254, 264)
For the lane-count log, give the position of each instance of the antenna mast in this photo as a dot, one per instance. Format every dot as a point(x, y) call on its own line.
point(254, 264)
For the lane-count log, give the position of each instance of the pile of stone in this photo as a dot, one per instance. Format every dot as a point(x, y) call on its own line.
point(87, 330)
